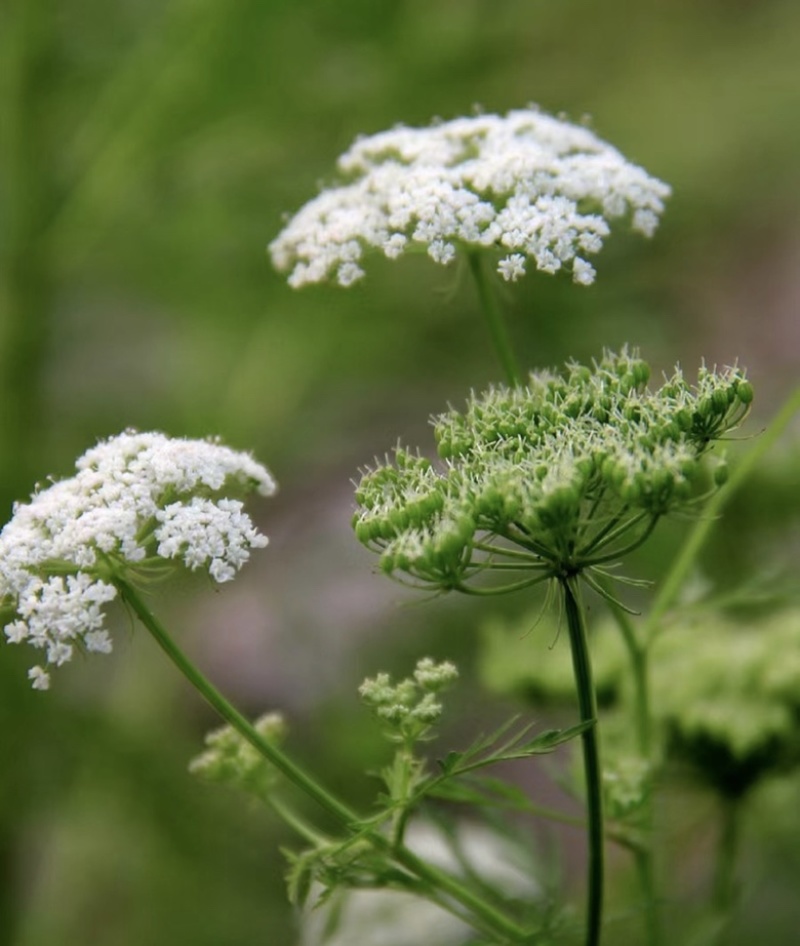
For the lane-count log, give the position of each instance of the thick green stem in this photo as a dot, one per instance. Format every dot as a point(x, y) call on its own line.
point(494, 320)
point(485, 917)
point(587, 705)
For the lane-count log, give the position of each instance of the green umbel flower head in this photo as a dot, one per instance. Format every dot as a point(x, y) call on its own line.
point(410, 708)
point(734, 717)
point(558, 477)
point(228, 758)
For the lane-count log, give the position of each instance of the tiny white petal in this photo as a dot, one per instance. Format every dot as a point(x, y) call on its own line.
point(98, 642)
point(583, 273)
point(512, 267)
point(40, 679)
point(349, 273)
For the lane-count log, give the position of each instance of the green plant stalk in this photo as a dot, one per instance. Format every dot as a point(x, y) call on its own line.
point(485, 916)
point(587, 705)
point(681, 566)
point(637, 654)
point(643, 855)
point(494, 320)
point(297, 823)
point(724, 892)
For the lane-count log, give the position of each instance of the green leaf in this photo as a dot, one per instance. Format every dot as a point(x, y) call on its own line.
point(549, 740)
point(299, 876)
point(450, 762)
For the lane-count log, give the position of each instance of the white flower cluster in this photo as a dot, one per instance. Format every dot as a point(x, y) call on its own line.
point(137, 499)
point(531, 185)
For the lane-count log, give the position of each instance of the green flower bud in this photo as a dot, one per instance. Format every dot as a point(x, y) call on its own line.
point(744, 391)
point(721, 398)
point(535, 463)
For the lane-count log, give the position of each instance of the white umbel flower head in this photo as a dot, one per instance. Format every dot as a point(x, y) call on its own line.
point(532, 186)
point(135, 501)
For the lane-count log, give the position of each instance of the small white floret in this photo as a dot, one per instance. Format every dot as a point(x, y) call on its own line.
point(40, 679)
point(349, 273)
point(583, 273)
point(512, 267)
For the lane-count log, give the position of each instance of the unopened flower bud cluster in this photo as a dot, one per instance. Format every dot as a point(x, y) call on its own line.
point(137, 501)
point(408, 709)
point(230, 758)
point(529, 186)
point(546, 466)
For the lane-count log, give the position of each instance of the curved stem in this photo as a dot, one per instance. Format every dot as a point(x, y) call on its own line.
point(494, 320)
point(602, 537)
point(503, 589)
point(484, 915)
point(492, 921)
point(294, 821)
point(684, 561)
point(587, 704)
point(531, 560)
point(341, 812)
point(621, 553)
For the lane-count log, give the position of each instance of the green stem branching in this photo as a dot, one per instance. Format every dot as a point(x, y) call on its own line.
point(684, 562)
point(442, 888)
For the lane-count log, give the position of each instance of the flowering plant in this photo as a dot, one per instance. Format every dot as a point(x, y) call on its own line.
point(526, 185)
point(137, 503)
point(548, 478)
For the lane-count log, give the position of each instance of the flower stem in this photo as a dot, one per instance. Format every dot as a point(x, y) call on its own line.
point(682, 564)
point(727, 847)
point(483, 915)
point(643, 855)
point(231, 715)
point(637, 654)
point(587, 704)
point(494, 320)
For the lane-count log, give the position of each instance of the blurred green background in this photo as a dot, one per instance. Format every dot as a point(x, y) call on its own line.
point(149, 152)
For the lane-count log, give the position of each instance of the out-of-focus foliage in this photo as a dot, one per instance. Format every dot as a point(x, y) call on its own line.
point(148, 152)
